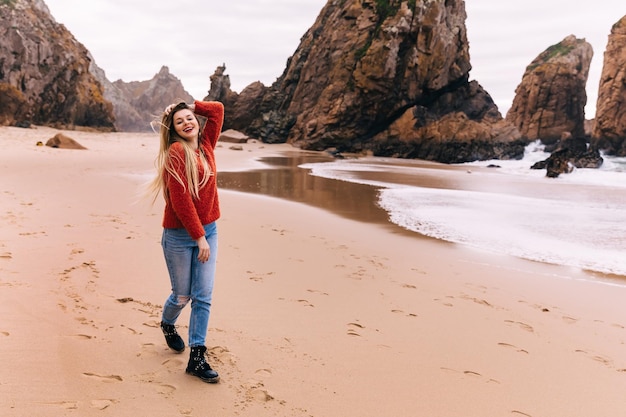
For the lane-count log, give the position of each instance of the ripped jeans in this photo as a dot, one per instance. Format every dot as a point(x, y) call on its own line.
point(191, 280)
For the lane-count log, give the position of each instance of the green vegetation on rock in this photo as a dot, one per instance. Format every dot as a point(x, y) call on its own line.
point(553, 51)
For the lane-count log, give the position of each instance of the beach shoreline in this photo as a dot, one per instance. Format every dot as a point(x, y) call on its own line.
point(314, 314)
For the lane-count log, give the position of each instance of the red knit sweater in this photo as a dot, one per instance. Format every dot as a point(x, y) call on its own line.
point(181, 209)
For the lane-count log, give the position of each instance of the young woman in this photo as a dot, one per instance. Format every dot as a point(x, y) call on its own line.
point(187, 179)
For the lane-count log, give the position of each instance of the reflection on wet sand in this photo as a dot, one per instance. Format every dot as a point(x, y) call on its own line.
point(286, 180)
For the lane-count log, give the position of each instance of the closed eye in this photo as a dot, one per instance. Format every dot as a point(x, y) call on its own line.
point(181, 120)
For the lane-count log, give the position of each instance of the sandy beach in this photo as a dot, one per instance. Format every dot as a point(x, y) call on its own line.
point(314, 314)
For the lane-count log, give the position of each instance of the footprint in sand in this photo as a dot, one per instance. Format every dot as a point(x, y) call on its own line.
point(472, 374)
point(476, 300)
point(379, 264)
point(152, 380)
point(104, 378)
point(597, 358)
point(68, 405)
point(279, 231)
point(165, 389)
point(130, 329)
point(397, 311)
point(76, 251)
point(263, 372)
point(221, 355)
point(173, 363)
point(153, 310)
point(108, 218)
point(359, 274)
point(42, 233)
point(90, 267)
point(255, 390)
point(508, 345)
point(523, 326)
point(445, 303)
point(317, 292)
point(258, 277)
point(305, 303)
point(353, 329)
point(83, 336)
point(102, 404)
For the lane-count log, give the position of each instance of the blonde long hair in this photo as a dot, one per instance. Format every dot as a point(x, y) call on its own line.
point(165, 163)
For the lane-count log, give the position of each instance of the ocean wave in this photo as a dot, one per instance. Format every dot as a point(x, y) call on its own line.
point(578, 219)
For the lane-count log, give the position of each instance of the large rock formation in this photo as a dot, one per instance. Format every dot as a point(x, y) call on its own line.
point(137, 103)
point(390, 77)
point(551, 98)
point(609, 133)
point(44, 72)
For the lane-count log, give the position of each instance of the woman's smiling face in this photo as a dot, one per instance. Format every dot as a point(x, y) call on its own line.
point(186, 125)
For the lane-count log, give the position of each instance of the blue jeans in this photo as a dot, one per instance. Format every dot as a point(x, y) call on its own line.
point(191, 280)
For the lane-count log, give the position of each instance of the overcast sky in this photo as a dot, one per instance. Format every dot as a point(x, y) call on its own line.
point(132, 39)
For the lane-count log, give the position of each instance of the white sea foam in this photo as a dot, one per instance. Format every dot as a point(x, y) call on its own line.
point(578, 219)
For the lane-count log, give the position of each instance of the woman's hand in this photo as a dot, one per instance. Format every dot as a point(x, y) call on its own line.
point(204, 251)
point(169, 108)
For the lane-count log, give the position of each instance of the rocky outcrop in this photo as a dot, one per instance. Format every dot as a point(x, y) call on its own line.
point(387, 77)
point(609, 133)
point(233, 136)
point(138, 103)
point(47, 77)
point(240, 112)
point(44, 72)
point(220, 86)
point(570, 153)
point(63, 142)
point(551, 98)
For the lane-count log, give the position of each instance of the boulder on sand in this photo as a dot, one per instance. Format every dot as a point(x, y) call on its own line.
point(62, 141)
point(233, 136)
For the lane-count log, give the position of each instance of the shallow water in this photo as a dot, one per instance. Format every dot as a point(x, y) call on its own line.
point(284, 178)
point(577, 220)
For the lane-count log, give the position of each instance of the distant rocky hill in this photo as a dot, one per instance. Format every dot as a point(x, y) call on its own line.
point(44, 72)
point(137, 103)
point(49, 78)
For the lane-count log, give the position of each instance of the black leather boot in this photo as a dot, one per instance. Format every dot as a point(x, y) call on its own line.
point(198, 366)
point(173, 339)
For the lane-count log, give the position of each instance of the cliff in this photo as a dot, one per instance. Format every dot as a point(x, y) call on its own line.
point(44, 72)
point(609, 133)
point(550, 100)
point(47, 77)
point(386, 77)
